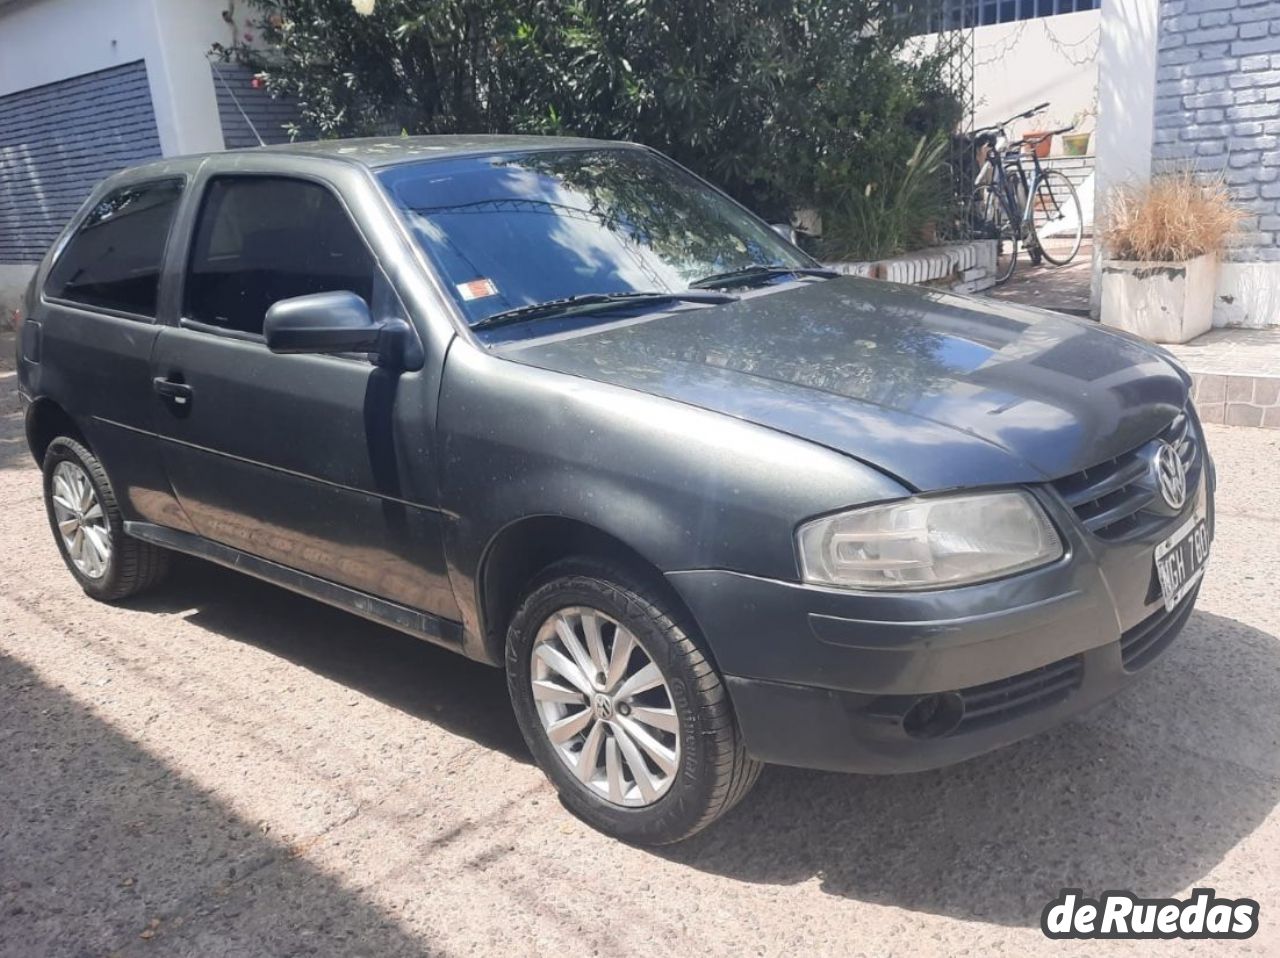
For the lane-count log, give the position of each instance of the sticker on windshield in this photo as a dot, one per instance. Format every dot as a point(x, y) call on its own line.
point(477, 289)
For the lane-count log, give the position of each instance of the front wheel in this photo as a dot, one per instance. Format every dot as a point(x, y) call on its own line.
point(621, 708)
point(1056, 222)
point(990, 220)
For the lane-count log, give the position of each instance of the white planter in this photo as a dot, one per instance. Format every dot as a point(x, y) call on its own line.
point(1162, 302)
point(963, 267)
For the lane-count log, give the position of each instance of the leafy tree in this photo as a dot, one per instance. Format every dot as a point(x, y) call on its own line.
point(786, 103)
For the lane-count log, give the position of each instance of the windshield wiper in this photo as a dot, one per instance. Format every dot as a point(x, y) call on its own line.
point(591, 302)
point(750, 274)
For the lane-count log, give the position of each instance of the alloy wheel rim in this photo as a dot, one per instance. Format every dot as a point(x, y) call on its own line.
point(605, 707)
point(82, 522)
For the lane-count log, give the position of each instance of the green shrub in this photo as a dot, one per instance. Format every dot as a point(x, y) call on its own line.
point(892, 213)
point(785, 103)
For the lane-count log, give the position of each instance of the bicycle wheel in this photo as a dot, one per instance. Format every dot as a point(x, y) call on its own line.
point(990, 220)
point(1056, 222)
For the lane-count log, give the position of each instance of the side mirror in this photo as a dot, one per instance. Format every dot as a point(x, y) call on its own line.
point(339, 322)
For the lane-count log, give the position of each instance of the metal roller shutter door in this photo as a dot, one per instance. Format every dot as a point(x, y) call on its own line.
point(244, 108)
point(58, 141)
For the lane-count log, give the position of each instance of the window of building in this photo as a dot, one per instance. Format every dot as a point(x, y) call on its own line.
point(954, 14)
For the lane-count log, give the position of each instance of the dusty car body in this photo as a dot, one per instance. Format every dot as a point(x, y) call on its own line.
point(376, 444)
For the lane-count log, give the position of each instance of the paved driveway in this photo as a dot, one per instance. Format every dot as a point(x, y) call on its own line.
point(227, 769)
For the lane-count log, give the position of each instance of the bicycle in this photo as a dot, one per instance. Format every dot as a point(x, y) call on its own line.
point(1011, 209)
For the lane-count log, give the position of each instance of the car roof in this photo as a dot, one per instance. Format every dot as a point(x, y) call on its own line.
point(379, 151)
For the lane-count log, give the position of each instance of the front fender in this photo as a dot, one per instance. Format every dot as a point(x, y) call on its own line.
point(683, 487)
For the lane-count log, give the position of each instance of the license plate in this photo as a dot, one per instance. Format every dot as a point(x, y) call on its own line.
point(1180, 560)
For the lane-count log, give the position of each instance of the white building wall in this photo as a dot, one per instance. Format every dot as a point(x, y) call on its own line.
point(188, 29)
point(1018, 65)
point(42, 41)
point(1126, 93)
point(1126, 105)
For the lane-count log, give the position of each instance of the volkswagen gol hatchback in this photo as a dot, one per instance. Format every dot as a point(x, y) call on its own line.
point(564, 408)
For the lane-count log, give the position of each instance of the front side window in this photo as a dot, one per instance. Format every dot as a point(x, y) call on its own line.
point(113, 261)
point(512, 230)
point(262, 239)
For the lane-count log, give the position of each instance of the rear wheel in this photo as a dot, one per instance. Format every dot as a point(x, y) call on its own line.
point(990, 220)
point(89, 530)
point(1055, 218)
point(621, 708)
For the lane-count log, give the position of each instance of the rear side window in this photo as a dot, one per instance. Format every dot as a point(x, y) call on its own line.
point(263, 239)
point(113, 260)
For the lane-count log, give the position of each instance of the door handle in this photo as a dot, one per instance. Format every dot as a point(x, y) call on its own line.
point(179, 393)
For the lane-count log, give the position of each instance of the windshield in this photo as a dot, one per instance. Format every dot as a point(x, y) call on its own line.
point(512, 230)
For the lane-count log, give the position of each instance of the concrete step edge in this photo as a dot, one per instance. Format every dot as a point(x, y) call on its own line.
point(1237, 398)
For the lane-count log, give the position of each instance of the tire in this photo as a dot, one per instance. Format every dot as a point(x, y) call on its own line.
point(1032, 246)
point(1056, 204)
point(709, 769)
point(78, 493)
point(990, 220)
point(1026, 235)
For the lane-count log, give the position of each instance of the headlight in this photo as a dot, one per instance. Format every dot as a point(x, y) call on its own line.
point(927, 543)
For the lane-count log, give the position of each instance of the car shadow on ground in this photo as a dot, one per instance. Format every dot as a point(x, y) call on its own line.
point(404, 672)
point(1148, 793)
point(103, 846)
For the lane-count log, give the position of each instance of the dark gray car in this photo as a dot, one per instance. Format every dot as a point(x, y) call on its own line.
point(562, 407)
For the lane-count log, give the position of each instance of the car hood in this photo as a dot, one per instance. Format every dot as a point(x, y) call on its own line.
point(937, 389)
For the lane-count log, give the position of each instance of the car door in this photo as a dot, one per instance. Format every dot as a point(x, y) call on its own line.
point(320, 463)
point(96, 330)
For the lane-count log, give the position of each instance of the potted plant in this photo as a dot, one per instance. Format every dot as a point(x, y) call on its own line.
point(1038, 142)
point(1076, 144)
point(1161, 241)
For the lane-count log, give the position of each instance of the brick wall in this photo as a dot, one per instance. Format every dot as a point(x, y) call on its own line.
point(1218, 107)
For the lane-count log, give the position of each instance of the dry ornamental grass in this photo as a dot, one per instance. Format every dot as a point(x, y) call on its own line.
point(1173, 218)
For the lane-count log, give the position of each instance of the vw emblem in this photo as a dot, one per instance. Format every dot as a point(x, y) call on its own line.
point(1171, 476)
point(603, 707)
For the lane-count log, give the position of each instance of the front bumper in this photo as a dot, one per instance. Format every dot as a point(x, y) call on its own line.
point(856, 732)
point(824, 678)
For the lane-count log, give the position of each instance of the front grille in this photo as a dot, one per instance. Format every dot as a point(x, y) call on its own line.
point(1007, 699)
point(1146, 640)
point(1111, 499)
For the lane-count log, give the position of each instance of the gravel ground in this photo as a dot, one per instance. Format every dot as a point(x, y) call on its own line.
point(224, 768)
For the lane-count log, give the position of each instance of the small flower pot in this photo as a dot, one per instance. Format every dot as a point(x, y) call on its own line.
point(1162, 302)
point(1076, 144)
point(1040, 147)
